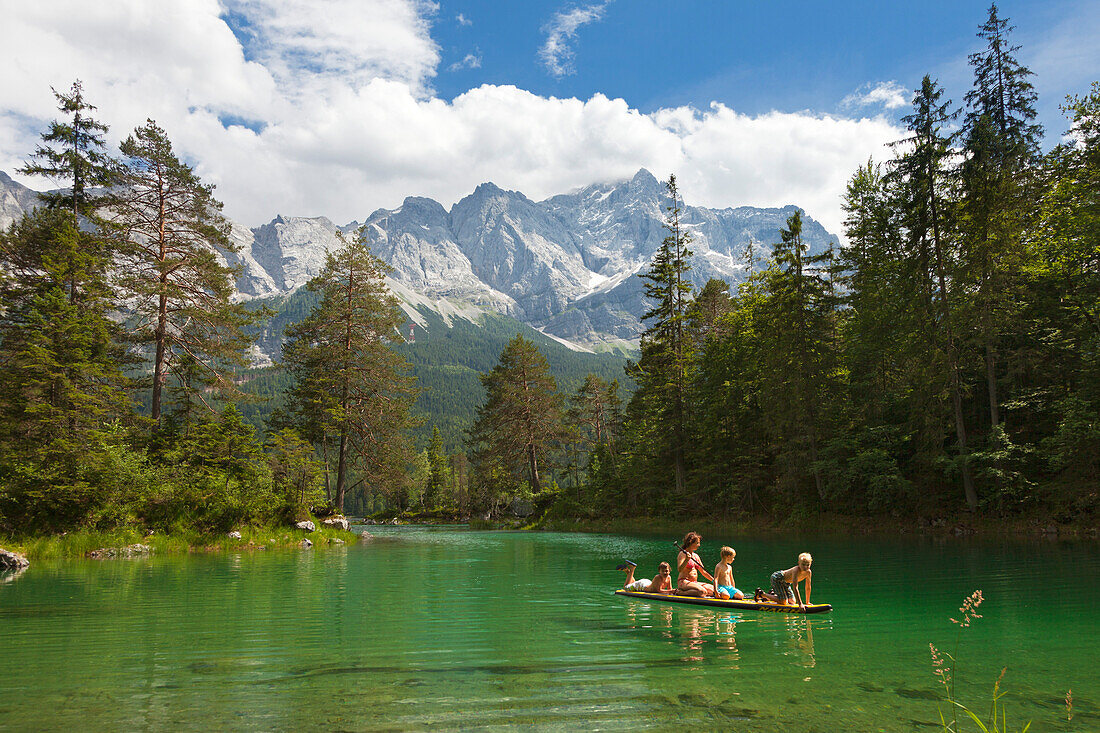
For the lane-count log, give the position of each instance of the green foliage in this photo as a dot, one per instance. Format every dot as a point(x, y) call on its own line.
point(166, 225)
point(73, 152)
point(520, 424)
point(352, 388)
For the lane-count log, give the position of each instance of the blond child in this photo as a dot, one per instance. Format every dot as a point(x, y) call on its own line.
point(724, 587)
point(662, 583)
point(785, 584)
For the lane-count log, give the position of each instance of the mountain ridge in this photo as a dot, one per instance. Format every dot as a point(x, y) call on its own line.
point(564, 265)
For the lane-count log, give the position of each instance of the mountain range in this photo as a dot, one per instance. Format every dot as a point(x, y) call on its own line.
point(565, 265)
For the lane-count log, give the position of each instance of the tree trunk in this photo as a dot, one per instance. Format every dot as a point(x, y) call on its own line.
point(956, 388)
point(536, 487)
point(342, 470)
point(991, 381)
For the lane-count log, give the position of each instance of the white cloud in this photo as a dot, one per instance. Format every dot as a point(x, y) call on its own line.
point(463, 20)
point(887, 94)
point(556, 53)
point(469, 61)
point(357, 128)
point(305, 42)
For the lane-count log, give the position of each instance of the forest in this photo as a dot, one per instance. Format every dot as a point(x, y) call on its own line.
point(943, 360)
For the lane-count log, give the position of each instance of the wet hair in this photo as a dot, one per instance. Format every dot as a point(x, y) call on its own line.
point(805, 556)
point(664, 567)
point(727, 552)
point(689, 539)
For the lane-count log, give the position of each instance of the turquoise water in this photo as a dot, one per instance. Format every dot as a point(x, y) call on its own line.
point(444, 628)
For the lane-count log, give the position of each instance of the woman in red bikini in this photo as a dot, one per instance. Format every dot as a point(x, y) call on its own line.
point(689, 564)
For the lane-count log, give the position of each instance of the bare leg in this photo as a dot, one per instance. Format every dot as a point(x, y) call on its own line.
point(629, 570)
point(696, 590)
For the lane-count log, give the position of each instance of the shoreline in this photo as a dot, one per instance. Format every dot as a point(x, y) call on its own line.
point(948, 526)
point(83, 543)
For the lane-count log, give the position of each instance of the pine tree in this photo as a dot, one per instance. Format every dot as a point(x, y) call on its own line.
point(799, 349)
point(1001, 146)
point(521, 420)
point(60, 380)
point(73, 152)
point(352, 388)
point(923, 174)
point(168, 226)
point(662, 371)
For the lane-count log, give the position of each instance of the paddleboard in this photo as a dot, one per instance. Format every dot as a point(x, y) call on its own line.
point(743, 605)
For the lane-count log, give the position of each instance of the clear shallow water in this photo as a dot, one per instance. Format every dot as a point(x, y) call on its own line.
point(447, 628)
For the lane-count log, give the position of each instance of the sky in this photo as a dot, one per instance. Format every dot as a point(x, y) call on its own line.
point(339, 107)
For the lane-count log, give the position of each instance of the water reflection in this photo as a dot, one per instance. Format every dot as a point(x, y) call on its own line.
point(800, 632)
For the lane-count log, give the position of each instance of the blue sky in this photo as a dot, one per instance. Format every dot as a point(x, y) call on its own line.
point(338, 107)
point(759, 56)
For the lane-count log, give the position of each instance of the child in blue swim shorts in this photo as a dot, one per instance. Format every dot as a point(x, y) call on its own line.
point(723, 576)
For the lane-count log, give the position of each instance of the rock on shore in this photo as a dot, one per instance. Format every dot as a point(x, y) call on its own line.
point(12, 561)
point(336, 522)
point(135, 550)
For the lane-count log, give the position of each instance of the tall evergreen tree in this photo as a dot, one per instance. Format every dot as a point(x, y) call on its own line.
point(73, 151)
point(662, 369)
point(59, 366)
point(169, 228)
point(1001, 145)
point(799, 349)
point(437, 470)
point(923, 175)
point(521, 422)
point(351, 385)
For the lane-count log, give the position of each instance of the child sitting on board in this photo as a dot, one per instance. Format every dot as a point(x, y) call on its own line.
point(723, 577)
point(660, 584)
point(785, 584)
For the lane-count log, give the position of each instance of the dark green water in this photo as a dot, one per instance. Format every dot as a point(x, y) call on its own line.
point(447, 628)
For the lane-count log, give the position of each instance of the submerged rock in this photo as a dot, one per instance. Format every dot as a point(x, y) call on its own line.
point(12, 560)
point(365, 536)
point(134, 550)
point(307, 526)
point(337, 522)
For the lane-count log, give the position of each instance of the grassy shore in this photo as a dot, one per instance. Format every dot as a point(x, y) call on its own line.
point(81, 542)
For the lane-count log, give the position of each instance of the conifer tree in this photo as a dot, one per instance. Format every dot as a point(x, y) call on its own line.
point(60, 379)
point(73, 151)
point(521, 420)
point(662, 369)
point(799, 348)
point(169, 228)
point(923, 174)
point(437, 470)
point(351, 386)
point(1001, 145)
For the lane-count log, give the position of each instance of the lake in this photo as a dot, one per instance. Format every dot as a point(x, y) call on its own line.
point(437, 628)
